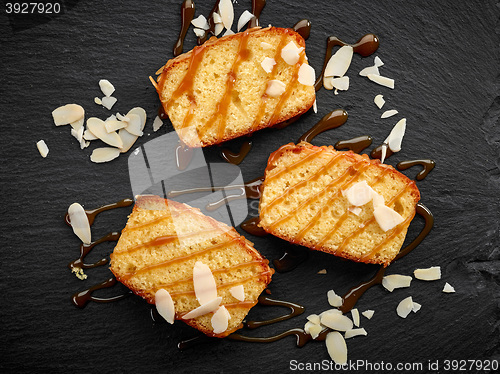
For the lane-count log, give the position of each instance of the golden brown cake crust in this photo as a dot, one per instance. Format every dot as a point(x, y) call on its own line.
point(217, 74)
point(302, 202)
point(157, 251)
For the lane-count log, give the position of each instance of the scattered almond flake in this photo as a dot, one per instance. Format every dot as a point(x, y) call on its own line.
point(97, 100)
point(336, 92)
point(87, 135)
point(106, 87)
point(114, 125)
point(389, 113)
point(377, 199)
point(108, 102)
point(307, 327)
point(307, 75)
point(238, 292)
point(266, 45)
point(384, 153)
point(128, 140)
point(79, 222)
point(78, 134)
point(98, 128)
point(355, 317)
point(405, 307)
point(228, 32)
point(315, 106)
point(267, 64)
point(429, 274)
point(275, 88)
point(211, 306)
point(336, 321)
point(341, 83)
point(369, 70)
point(121, 117)
point(339, 62)
point(77, 124)
point(356, 210)
point(314, 318)
point(416, 307)
point(329, 311)
point(395, 138)
point(322, 271)
point(200, 22)
point(226, 12)
point(134, 125)
point(378, 62)
point(220, 320)
point(328, 83)
point(355, 332)
point(104, 154)
point(165, 305)
point(379, 101)
point(448, 288)
point(334, 299)
point(245, 17)
point(110, 118)
point(141, 113)
point(157, 123)
point(218, 28)
point(79, 273)
point(42, 148)
point(336, 347)
point(290, 53)
point(368, 313)
point(383, 81)
point(216, 17)
point(359, 194)
point(315, 330)
point(205, 288)
point(199, 32)
point(393, 281)
point(387, 218)
point(68, 113)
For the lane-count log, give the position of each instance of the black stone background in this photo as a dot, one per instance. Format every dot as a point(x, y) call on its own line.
point(444, 58)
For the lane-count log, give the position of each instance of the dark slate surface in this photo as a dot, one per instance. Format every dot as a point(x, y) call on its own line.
point(444, 57)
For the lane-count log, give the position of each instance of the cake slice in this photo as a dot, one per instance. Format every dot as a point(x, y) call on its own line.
point(221, 89)
point(162, 242)
point(337, 202)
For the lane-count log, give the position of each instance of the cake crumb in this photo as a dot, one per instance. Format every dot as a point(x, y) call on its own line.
point(79, 273)
point(322, 271)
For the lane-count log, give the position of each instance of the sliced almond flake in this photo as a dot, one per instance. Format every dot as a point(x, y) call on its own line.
point(220, 320)
point(383, 81)
point(108, 102)
point(359, 194)
point(377, 199)
point(165, 305)
point(226, 12)
point(110, 118)
point(307, 327)
point(121, 117)
point(379, 101)
point(383, 153)
point(315, 330)
point(205, 288)
point(266, 45)
point(200, 22)
point(275, 88)
point(416, 307)
point(216, 17)
point(307, 75)
point(204, 309)
point(79, 222)
point(78, 124)
point(114, 125)
point(389, 113)
point(336, 321)
point(68, 113)
point(267, 64)
point(355, 332)
point(341, 83)
point(315, 106)
point(238, 292)
point(336, 347)
point(329, 311)
point(314, 318)
point(328, 83)
point(97, 100)
point(356, 210)
point(448, 288)
point(378, 62)
point(322, 271)
point(369, 70)
point(134, 125)
point(228, 32)
point(78, 134)
point(429, 274)
point(245, 17)
point(87, 135)
point(368, 313)
point(339, 62)
point(157, 123)
point(128, 140)
point(199, 32)
point(141, 113)
point(395, 138)
point(291, 53)
point(387, 218)
point(106, 87)
point(42, 148)
point(355, 317)
point(218, 29)
point(104, 154)
point(393, 281)
point(333, 298)
point(405, 307)
point(98, 128)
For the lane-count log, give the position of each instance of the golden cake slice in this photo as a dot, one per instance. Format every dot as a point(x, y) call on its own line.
point(219, 90)
point(308, 197)
point(162, 242)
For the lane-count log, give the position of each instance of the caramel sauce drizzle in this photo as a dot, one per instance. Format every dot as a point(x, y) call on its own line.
point(357, 145)
point(377, 152)
point(252, 227)
point(187, 14)
point(292, 258)
point(303, 28)
point(295, 310)
point(211, 24)
point(257, 6)
point(365, 46)
point(427, 165)
point(183, 155)
point(82, 298)
point(217, 204)
point(86, 248)
point(330, 121)
point(236, 158)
